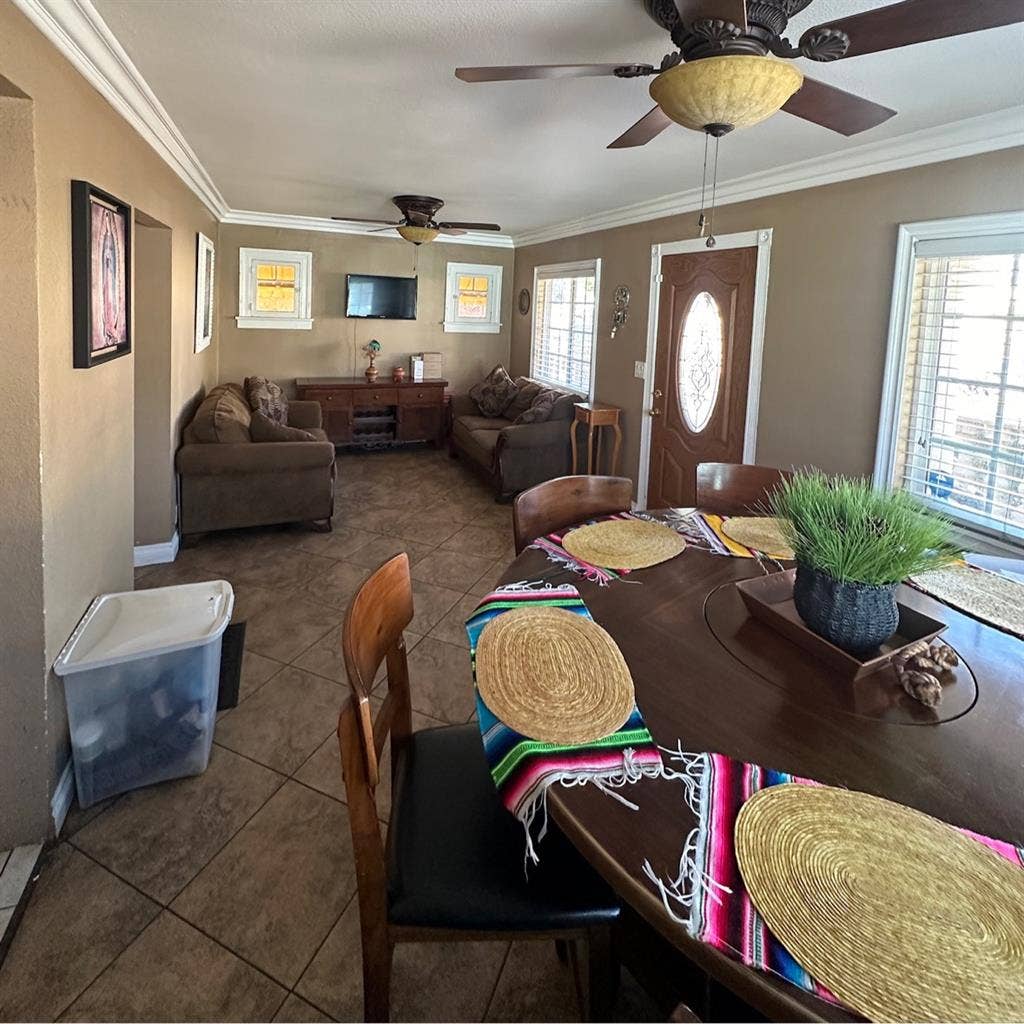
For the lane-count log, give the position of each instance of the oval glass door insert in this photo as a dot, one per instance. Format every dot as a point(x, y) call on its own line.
point(700, 361)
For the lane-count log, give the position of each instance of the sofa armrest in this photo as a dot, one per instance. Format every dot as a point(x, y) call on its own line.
point(463, 405)
point(535, 435)
point(267, 457)
point(305, 415)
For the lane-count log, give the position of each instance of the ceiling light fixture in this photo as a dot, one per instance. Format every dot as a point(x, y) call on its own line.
point(417, 233)
point(717, 94)
point(714, 95)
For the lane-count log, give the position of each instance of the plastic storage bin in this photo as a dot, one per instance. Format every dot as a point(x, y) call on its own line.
point(140, 679)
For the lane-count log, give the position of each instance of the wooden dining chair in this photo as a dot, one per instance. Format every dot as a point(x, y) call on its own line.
point(731, 489)
point(452, 864)
point(565, 501)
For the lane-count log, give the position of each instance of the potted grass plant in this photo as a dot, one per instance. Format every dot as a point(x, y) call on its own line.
point(854, 544)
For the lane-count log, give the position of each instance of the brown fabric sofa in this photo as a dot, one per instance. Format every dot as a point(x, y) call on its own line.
point(228, 480)
point(514, 457)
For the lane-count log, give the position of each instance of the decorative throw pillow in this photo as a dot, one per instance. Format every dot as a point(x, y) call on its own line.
point(267, 397)
point(540, 410)
point(223, 417)
point(263, 428)
point(494, 393)
point(528, 390)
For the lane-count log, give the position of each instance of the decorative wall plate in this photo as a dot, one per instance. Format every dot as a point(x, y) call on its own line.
point(524, 301)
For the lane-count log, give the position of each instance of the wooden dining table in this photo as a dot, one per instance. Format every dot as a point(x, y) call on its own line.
point(708, 677)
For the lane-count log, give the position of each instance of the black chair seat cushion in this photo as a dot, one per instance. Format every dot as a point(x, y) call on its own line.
point(456, 856)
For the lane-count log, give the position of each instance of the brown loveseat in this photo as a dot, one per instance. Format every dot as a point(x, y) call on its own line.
point(514, 456)
point(228, 480)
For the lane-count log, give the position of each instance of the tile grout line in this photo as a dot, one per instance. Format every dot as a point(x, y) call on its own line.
point(497, 980)
point(316, 953)
point(174, 913)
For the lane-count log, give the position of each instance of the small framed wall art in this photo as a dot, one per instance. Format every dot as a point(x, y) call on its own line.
point(101, 270)
point(205, 258)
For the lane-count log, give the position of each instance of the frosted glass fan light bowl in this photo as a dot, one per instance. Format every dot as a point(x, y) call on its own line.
point(736, 90)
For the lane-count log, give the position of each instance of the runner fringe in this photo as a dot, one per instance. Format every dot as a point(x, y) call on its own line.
point(691, 879)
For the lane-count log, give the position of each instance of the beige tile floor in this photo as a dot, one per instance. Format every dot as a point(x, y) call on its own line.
point(229, 896)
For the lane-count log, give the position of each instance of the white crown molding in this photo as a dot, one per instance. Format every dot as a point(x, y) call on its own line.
point(295, 222)
point(80, 34)
point(1001, 129)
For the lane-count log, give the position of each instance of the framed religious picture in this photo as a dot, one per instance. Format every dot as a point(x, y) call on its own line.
point(204, 292)
point(101, 272)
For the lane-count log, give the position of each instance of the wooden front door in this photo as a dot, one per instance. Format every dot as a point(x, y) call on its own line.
point(702, 367)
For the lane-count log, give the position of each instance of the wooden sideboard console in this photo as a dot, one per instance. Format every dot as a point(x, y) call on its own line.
point(358, 413)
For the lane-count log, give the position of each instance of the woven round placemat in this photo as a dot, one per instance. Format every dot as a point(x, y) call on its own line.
point(762, 533)
point(624, 543)
point(986, 595)
point(900, 915)
point(553, 676)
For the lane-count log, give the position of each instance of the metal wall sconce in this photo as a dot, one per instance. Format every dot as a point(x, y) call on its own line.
point(621, 309)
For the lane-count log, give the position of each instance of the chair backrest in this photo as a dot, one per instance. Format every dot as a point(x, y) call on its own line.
point(731, 489)
point(564, 501)
point(372, 633)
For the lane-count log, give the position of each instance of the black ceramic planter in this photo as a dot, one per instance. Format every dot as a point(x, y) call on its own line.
point(854, 616)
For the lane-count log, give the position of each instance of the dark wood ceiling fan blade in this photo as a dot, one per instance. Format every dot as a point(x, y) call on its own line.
point(452, 231)
point(918, 21)
point(468, 225)
point(652, 124)
point(367, 220)
point(727, 10)
point(834, 108)
point(521, 72)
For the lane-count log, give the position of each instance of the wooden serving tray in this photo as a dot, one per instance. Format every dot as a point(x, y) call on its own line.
point(770, 599)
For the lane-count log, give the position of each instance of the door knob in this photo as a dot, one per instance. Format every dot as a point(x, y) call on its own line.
point(655, 412)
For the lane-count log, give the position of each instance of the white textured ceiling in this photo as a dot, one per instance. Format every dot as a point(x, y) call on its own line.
point(319, 108)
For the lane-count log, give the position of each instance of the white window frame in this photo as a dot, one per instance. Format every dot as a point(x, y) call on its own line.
point(554, 270)
point(454, 324)
point(977, 226)
point(247, 317)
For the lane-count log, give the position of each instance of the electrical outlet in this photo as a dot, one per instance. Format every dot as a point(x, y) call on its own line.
point(639, 370)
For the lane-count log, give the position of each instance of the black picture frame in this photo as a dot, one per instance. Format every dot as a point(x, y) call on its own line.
point(113, 291)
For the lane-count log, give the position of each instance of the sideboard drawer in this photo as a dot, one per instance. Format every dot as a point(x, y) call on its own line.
point(375, 396)
point(330, 399)
point(415, 394)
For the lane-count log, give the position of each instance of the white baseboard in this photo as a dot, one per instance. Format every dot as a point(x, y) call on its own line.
point(157, 554)
point(60, 802)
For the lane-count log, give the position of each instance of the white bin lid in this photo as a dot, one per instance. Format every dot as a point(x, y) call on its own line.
point(144, 623)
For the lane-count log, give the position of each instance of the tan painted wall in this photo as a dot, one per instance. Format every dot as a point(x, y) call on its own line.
point(334, 345)
point(23, 789)
point(833, 253)
point(87, 416)
point(155, 491)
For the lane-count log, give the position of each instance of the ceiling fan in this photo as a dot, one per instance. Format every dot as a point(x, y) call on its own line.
point(418, 224)
point(721, 76)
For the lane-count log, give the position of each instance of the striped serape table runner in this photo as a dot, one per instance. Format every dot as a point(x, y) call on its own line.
point(708, 895)
point(551, 545)
point(524, 769)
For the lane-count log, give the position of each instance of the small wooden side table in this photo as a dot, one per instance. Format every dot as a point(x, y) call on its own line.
point(595, 415)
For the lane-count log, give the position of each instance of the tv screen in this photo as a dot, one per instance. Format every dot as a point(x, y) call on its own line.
point(381, 298)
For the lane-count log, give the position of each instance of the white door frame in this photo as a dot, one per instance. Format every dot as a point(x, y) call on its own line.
point(761, 238)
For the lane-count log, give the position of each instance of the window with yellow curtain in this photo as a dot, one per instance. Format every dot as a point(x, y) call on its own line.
point(472, 298)
point(275, 288)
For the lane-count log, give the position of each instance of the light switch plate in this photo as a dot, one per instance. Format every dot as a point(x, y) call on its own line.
point(639, 370)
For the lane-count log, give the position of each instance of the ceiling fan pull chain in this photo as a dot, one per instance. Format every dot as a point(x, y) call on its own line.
point(710, 243)
point(702, 220)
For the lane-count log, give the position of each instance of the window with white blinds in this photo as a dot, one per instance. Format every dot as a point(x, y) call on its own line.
point(565, 324)
point(958, 428)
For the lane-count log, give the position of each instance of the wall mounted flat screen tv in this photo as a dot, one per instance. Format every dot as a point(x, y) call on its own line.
point(380, 298)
